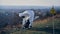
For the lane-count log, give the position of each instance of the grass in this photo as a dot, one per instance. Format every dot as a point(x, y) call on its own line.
point(41, 27)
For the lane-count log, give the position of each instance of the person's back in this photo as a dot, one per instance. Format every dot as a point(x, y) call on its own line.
point(30, 13)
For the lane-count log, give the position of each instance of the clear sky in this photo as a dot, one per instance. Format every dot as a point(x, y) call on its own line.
point(30, 2)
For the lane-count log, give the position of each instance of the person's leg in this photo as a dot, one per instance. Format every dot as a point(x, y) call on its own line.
point(31, 22)
point(30, 25)
point(23, 23)
point(27, 24)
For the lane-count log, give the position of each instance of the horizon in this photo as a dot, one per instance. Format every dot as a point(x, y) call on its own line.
point(26, 7)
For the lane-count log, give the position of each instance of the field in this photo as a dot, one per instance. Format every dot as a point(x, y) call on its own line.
point(44, 26)
point(49, 25)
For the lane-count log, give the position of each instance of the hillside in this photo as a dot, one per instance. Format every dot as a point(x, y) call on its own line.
point(44, 26)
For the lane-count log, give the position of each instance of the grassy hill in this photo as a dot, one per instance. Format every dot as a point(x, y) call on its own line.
point(40, 26)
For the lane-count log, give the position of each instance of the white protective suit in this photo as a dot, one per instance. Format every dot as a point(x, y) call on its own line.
point(29, 14)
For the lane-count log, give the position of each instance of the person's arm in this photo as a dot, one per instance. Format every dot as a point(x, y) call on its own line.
point(21, 14)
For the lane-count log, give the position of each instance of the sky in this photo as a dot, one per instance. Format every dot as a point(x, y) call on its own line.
point(29, 2)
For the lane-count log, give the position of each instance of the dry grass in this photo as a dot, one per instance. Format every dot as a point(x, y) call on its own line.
point(41, 27)
point(37, 24)
point(44, 26)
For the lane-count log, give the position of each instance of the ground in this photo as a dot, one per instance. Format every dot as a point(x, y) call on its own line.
point(44, 26)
